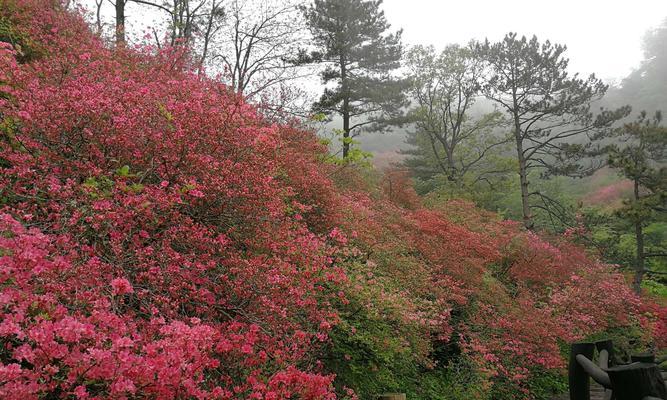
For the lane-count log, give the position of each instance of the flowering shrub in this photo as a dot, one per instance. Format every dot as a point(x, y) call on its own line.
point(478, 290)
point(607, 195)
point(159, 238)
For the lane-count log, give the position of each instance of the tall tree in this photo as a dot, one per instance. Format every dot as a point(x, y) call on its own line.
point(119, 7)
point(185, 17)
point(360, 56)
point(188, 19)
point(640, 156)
point(448, 138)
point(646, 87)
point(554, 129)
point(211, 25)
point(98, 16)
point(259, 39)
point(253, 43)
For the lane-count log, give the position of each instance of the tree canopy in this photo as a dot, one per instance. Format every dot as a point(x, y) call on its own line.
point(555, 130)
point(352, 39)
point(449, 138)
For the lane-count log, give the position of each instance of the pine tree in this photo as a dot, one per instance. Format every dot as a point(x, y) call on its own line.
point(646, 87)
point(554, 129)
point(640, 156)
point(360, 55)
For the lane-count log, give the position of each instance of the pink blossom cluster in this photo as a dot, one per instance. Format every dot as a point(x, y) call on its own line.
point(158, 237)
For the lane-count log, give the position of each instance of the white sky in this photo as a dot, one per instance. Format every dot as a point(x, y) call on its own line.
point(603, 37)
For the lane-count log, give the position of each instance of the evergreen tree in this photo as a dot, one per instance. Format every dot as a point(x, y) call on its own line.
point(646, 87)
point(554, 129)
point(641, 156)
point(361, 56)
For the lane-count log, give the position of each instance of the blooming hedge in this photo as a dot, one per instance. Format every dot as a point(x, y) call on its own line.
point(159, 238)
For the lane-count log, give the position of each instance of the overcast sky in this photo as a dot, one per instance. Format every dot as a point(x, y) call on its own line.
point(603, 37)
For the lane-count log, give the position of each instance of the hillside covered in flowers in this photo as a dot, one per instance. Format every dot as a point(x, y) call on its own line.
point(160, 238)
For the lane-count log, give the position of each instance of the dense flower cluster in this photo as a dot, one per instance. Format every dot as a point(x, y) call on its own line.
point(156, 236)
point(160, 239)
point(507, 298)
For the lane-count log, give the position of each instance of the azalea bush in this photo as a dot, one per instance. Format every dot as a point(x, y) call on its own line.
point(488, 309)
point(156, 239)
point(160, 238)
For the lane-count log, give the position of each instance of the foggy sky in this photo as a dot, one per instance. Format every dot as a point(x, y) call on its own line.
point(603, 37)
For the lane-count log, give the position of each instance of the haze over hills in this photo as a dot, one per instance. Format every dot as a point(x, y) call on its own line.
point(645, 88)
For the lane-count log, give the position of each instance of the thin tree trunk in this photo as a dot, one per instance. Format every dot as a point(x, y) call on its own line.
point(120, 23)
point(452, 175)
point(207, 37)
point(346, 129)
point(641, 257)
point(523, 176)
point(525, 205)
point(98, 16)
point(346, 109)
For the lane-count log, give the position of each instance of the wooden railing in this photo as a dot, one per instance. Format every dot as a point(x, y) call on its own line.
point(641, 379)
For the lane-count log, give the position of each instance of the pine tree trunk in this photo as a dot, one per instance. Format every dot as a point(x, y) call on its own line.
point(346, 108)
point(346, 128)
point(523, 175)
point(525, 204)
point(641, 258)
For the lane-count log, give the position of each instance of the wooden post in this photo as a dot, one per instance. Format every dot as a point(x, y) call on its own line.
point(643, 358)
point(392, 396)
point(603, 359)
point(577, 376)
point(636, 381)
point(609, 346)
point(594, 371)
